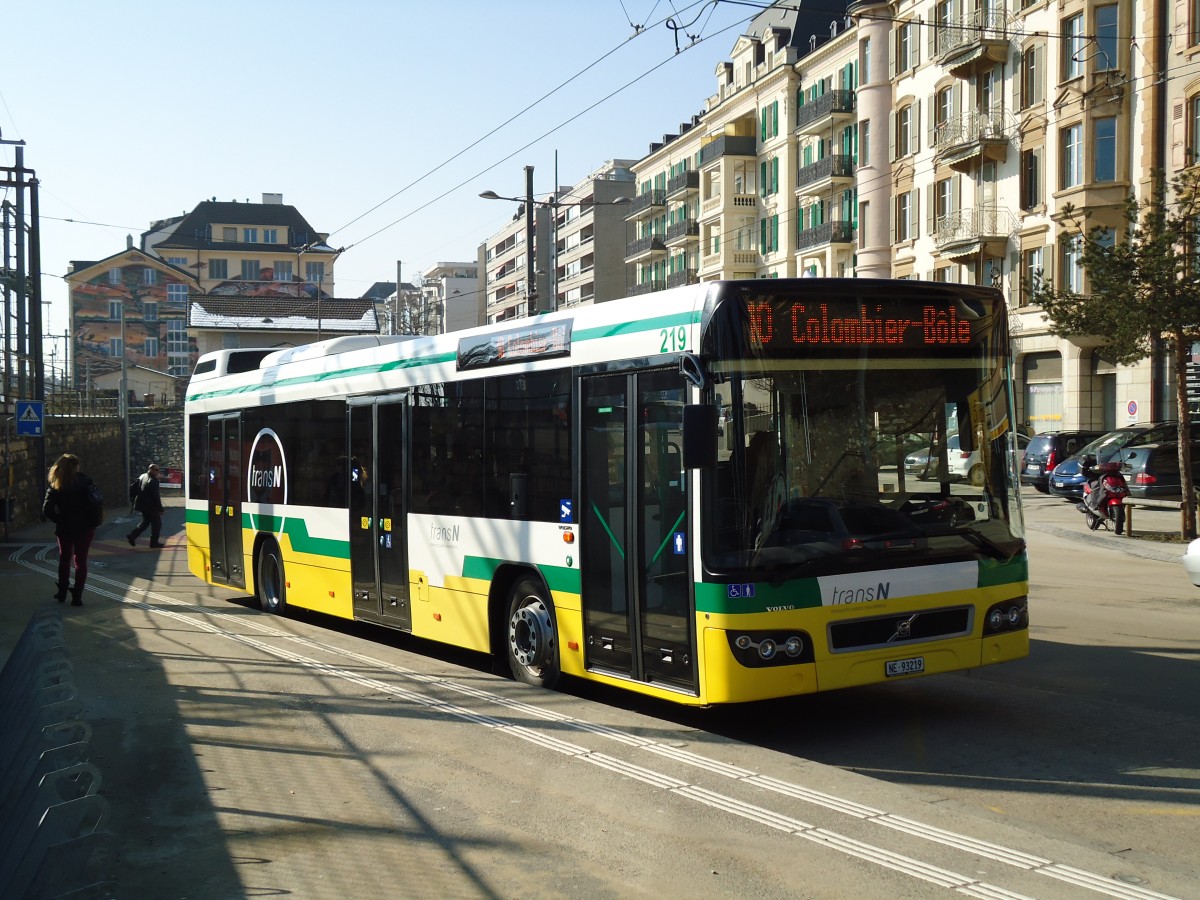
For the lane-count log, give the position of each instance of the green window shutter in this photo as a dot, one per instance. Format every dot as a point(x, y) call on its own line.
point(774, 174)
point(762, 235)
point(762, 178)
point(775, 117)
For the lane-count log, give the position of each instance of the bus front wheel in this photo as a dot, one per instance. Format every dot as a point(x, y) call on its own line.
point(532, 641)
point(270, 585)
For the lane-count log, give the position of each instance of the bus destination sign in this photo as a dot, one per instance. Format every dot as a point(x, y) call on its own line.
point(779, 324)
point(537, 341)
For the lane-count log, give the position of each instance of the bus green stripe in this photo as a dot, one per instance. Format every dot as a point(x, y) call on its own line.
point(616, 329)
point(993, 572)
point(714, 598)
point(562, 579)
point(293, 526)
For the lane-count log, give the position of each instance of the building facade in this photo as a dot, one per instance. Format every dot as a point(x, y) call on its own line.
point(589, 236)
point(935, 139)
point(138, 304)
point(510, 290)
point(451, 294)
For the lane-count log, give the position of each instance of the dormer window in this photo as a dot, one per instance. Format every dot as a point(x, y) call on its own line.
point(249, 235)
point(270, 236)
point(229, 233)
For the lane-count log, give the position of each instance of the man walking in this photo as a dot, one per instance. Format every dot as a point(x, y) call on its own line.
point(149, 504)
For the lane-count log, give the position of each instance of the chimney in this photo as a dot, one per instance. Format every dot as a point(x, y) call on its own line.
point(273, 199)
point(129, 242)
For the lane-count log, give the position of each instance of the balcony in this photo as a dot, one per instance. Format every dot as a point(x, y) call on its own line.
point(646, 203)
point(828, 110)
point(825, 173)
point(715, 206)
point(728, 145)
point(683, 232)
point(826, 233)
point(647, 287)
point(645, 248)
point(974, 43)
point(679, 279)
point(969, 232)
point(682, 184)
point(984, 135)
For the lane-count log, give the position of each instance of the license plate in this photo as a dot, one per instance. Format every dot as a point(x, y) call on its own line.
point(1032, 467)
point(910, 666)
point(1058, 484)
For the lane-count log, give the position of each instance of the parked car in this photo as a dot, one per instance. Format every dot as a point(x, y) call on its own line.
point(965, 465)
point(1152, 470)
point(923, 463)
point(1047, 450)
point(1067, 478)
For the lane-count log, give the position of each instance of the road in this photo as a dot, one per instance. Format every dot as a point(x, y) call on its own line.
point(249, 755)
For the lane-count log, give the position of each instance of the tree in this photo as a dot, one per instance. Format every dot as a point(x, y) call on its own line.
point(1144, 288)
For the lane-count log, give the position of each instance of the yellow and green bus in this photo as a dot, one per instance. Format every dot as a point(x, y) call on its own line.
point(718, 493)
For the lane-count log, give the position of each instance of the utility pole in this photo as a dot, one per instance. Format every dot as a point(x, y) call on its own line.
point(531, 297)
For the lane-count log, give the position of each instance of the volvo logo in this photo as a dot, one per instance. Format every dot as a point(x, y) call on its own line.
point(904, 629)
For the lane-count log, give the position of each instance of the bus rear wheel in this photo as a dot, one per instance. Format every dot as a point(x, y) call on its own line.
point(269, 584)
point(532, 638)
point(976, 476)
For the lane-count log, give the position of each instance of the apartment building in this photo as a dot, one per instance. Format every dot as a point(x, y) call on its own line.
point(511, 291)
point(934, 139)
point(248, 274)
point(451, 291)
point(589, 236)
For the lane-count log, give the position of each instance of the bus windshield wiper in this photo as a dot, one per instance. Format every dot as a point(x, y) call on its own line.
point(984, 543)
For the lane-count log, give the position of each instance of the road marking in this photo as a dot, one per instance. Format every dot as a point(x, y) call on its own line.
point(848, 846)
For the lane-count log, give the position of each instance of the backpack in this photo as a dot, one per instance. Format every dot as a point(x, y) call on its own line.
point(135, 488)
point(93, 506)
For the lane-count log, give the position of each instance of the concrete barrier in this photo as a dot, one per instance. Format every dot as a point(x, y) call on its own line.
point(51, 816)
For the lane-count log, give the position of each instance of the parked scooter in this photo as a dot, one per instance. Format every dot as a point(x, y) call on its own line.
point(1104, 495)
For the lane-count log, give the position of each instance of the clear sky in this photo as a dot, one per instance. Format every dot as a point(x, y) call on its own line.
point(374, 119)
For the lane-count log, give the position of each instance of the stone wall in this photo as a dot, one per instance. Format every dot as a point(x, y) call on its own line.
point(99, 442)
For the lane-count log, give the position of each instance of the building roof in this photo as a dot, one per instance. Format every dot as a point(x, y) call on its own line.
point(351, 316)
point(380, 290)
point(194, 232)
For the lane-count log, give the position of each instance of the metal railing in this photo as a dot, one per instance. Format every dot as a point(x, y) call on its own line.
point(825, 233)
point(974, 28)
point(973, 127)
point(840, 101)
point(974, 224)
point(836, 166)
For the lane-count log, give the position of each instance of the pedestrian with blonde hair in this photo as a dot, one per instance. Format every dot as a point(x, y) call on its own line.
point(69, 505)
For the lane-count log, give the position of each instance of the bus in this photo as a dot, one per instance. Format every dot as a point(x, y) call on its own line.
point(699, 494)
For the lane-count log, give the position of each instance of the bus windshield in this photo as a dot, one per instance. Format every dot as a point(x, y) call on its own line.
point(847, 452)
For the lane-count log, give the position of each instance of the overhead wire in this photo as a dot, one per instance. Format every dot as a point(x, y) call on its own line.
point(540, 137)
point(502, 125)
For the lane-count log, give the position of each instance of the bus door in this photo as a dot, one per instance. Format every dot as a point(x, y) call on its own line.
point(635, 535)
point(377, 491)
point(225, 499)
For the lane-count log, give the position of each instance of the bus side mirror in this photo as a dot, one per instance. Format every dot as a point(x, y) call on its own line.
point(700, 436)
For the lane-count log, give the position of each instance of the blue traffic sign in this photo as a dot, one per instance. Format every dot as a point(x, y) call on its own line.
point(30, 415)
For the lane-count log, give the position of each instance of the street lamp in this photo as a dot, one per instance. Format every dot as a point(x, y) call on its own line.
point(312, 245)
point(554, 205)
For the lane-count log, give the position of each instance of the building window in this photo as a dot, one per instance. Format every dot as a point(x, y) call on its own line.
point(177, 260)
point(115, 346)
point(769, 120)
point(249, 235)
point(1193, 31)
point(1072, 32)
point(1106, 37)
point(943, 203)
point(865, 64)
point(864, 141)
point(904, 131)
point(114, 309)
point(1193, 138)
point(906, 47)
point(1072, 264)
point(283, 270)
point(270, 236)
point(1032, 63)
point(1071, 162)
point(150, 347)
point(943, 111)
point(228, 233)
point(1104, 149)
point(864, 209)
point(149, 276)
point(314, 272)
point(250, 270)
point(906, 216)
point(114, 276)
point(149, 312)
point(1031, 178)
point(218, 268)
point(1032, 270)
point(177, 294)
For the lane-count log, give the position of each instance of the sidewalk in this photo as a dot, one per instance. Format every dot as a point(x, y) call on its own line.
point(1157, 532)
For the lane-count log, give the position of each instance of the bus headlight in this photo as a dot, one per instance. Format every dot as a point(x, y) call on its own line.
point(1010, 615)
point(758, 649)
